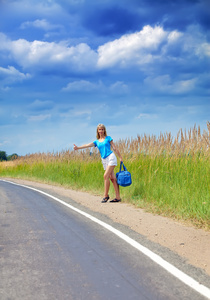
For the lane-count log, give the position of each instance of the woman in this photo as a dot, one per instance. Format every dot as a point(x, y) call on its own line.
point(109, 160)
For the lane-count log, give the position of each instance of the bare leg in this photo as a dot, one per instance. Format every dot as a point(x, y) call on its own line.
point(107, 176)
point(115, 184)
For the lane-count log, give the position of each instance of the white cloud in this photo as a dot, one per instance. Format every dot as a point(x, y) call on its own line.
point(82, 86)
point(41, 105)
point(11, 71)
point(33, 8)
point(174, 36)
point(81, 113)
point(164, 83)
point(39, 118)
point(46, 55)
point(133, 48)
point(119, 87)
point(41, 24)
point(184, 86)
point(10, 75)
point(147, 116)
point(4, 42)
point(151, 45)
point(203, 50)
point(194, 42)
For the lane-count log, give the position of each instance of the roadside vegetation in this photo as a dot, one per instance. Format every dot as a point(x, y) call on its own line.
point(5, 157)
point(171, 175)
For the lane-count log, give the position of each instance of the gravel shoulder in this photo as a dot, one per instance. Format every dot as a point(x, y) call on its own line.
point(190, 243)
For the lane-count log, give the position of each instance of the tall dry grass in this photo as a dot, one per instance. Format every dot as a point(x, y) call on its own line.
point(186, 143)
point(191, 142)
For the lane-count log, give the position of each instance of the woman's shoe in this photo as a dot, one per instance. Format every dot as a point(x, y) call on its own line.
point(115, 200)
point(105, 199)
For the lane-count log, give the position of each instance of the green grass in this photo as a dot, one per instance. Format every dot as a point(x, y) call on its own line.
point(174, 187)
point(177, 187)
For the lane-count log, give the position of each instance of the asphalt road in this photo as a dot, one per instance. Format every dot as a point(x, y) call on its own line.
point(48, 251)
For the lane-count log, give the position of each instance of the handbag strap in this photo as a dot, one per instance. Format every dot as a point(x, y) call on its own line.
point(122, 164)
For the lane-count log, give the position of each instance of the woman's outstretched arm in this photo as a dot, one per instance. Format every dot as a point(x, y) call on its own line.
point(84, 146)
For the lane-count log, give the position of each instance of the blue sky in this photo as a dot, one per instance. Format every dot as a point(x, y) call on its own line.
point(138, 66)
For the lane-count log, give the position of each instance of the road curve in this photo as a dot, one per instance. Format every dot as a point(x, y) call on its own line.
point(48, 251)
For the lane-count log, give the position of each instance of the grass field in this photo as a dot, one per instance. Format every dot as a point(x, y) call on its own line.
point(171, 175)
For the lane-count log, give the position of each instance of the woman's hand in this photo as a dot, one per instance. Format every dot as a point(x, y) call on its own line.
point(84, 146)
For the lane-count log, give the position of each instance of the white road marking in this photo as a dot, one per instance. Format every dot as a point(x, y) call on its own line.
point(201, 289)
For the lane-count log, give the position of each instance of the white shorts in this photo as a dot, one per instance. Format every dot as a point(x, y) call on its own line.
point(110, 160)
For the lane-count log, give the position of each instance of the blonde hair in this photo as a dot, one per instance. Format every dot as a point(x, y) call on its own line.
point(100, 126)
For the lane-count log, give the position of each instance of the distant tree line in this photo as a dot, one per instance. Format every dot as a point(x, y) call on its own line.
point(4, 156)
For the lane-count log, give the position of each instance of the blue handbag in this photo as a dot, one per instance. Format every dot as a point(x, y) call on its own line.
point(123, 177)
